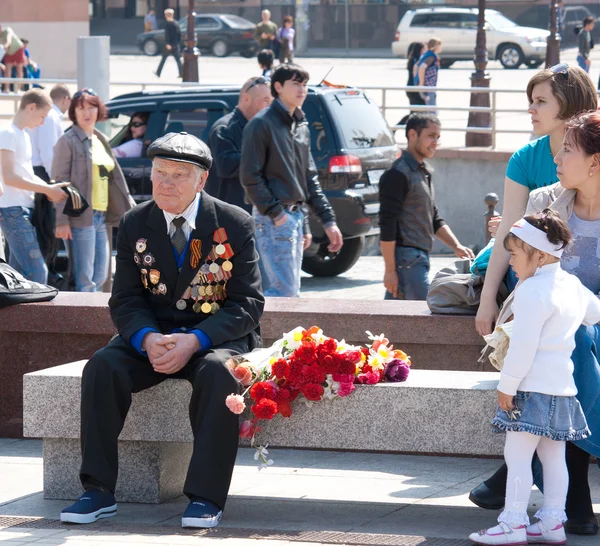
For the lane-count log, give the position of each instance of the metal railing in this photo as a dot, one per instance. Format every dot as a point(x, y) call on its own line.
point(384, 102)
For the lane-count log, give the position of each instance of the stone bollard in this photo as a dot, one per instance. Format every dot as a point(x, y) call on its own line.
point(491, 200)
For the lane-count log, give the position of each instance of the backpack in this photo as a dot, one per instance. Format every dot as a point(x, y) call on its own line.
point(14, 288)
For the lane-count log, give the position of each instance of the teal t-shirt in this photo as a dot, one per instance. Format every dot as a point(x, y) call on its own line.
point(533, 165)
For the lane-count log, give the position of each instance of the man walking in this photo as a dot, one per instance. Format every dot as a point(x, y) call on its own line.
point(280, 179)
point(408, 217)
point(20, 183)
point(225, 142)
point(584, 43)
point(265, 30)
point(174, 318)
point(43, 139)
point(172, 43)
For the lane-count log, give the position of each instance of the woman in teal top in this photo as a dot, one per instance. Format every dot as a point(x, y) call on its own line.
point(555, 95)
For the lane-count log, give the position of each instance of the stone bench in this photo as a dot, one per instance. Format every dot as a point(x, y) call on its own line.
point(434, 412)
point(74, 325)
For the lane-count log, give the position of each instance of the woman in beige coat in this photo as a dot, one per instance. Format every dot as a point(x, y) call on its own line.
point(83, 157)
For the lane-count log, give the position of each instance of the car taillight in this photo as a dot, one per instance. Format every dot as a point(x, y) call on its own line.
point(397, 38)
point(344, 164)
point(248, 35)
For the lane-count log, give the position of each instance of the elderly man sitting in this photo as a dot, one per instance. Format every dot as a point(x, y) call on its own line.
point(186, 297)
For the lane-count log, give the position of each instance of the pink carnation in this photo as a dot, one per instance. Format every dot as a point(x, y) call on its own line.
point(370, 378)
point(345, 389)
point(235, 403)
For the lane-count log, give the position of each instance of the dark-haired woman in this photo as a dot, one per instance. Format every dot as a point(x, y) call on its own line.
point(83, 157)
point(415, 50)
point(133, 140)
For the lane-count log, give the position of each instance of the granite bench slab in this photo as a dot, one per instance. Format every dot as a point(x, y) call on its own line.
point(74, 325)
point(434, 412)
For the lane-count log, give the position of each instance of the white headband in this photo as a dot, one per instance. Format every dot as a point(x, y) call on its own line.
point(535, 237)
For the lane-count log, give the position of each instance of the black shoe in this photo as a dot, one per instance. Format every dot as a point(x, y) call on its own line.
point(582, 526)
point(484, 497)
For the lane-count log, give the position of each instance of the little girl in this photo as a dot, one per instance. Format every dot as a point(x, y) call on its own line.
point(536, 393)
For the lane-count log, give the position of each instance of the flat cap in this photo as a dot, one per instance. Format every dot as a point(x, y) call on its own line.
point(181, 147)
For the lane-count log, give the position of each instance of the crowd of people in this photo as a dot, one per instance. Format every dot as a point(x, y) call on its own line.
point(15, 59)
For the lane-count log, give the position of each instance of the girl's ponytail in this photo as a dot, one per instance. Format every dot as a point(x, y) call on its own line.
point(556, 229)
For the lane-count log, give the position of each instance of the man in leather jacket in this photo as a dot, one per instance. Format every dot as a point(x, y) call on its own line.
point(279, 177)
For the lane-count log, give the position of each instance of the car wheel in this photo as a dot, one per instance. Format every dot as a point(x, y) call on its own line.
point(324, 265)
point(446, 64)
point(219, 48)
point(150, 47)
point(511, 56)
point(534, 64)
point(248, 53)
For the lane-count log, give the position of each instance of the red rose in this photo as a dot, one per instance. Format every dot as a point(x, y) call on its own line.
point(263, 389)
point(353, 356)
point(284, 407)
point(265, 409)
point(313, 391)
point(280, 369)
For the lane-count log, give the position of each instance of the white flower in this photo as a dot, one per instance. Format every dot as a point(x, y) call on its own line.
point(266, 464)
point(261, 453)
point(380, 337)
point(319, 337)
point(293, 339)
point(375, 360)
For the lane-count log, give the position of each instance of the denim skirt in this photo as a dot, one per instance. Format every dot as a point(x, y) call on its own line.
point(559, 418)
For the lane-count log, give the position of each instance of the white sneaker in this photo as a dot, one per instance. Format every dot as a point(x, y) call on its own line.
point(538, 533)
point(502, 534)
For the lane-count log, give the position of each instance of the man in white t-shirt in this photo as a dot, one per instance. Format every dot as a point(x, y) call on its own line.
point(20, 185)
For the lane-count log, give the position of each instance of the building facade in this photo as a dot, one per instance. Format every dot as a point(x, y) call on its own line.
point(52, 28)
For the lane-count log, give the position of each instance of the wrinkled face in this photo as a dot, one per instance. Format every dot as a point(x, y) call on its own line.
point(426, 142)
point(36, 116)
point(175, 184)
point(292, 93)
point(523, 265)
point(257, 99)
point(138, 127)
point(573, 167)
point(544, 110)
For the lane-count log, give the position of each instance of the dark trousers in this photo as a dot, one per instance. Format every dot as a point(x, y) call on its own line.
point(579, 498)
point(117, 371)
point(44, 221)
point(176, 52)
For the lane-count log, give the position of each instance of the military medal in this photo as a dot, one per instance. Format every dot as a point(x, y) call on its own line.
point(187, 294)
point(197, 307)
point(214, 307)
point(181, 305)
point(213, 268)
point(205, 269)
point(206, 307)
point(227, 265)
point(148, 259)
point(220, 249)
point(195, 292)
point(154, 276)
point(140, 245)
point(136, 259)
point(202, 291)
point(144, 280)
point(209, 290)
point(162, 288)
point(195, 252)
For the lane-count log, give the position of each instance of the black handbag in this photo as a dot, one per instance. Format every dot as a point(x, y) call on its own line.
point(76, 204)
point(14, 288)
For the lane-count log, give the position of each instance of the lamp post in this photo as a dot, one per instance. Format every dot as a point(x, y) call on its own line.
point(190, 53)
point(480, 78)
point(553, 42)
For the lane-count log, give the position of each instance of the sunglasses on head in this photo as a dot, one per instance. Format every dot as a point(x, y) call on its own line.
point(259, 81)
point(87, 91)
point(562, 68)
point(138, 124)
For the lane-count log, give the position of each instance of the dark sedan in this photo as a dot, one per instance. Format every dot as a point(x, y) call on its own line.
point(217, 34)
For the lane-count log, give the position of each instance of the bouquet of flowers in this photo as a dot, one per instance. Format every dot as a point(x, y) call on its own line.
point(308, 365)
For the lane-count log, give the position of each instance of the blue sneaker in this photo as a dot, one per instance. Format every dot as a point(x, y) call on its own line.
point(202, 514)
point(91, 506)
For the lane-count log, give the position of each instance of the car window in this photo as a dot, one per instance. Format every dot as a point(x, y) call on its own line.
point(468, 20)
point(117, 125)
point(360, 121)
point(196, 122)
point(207, 23)
point(420, 20)
point(237, 22)
point(320, 131)
point(445, 20)
point(497, 20)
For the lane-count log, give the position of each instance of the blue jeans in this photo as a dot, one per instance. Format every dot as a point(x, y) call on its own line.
point(25, 254)
point(582, 64)
point(431, 98)
point(90, 255)
point(412, 266)
point(587, 380)
point(280, 249)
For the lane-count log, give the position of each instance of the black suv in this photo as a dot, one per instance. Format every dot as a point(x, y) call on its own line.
point(351, 143)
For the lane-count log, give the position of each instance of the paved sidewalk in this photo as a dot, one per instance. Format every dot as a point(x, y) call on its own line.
point(307, 497)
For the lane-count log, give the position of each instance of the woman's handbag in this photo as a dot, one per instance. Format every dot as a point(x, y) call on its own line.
point(14, 288)
point(76, 204)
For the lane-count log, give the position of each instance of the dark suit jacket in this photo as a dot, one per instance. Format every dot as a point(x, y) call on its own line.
point(225, 142)
point(134, 306)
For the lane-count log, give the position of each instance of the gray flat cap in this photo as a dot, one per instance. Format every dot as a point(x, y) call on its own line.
point(181, 147)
